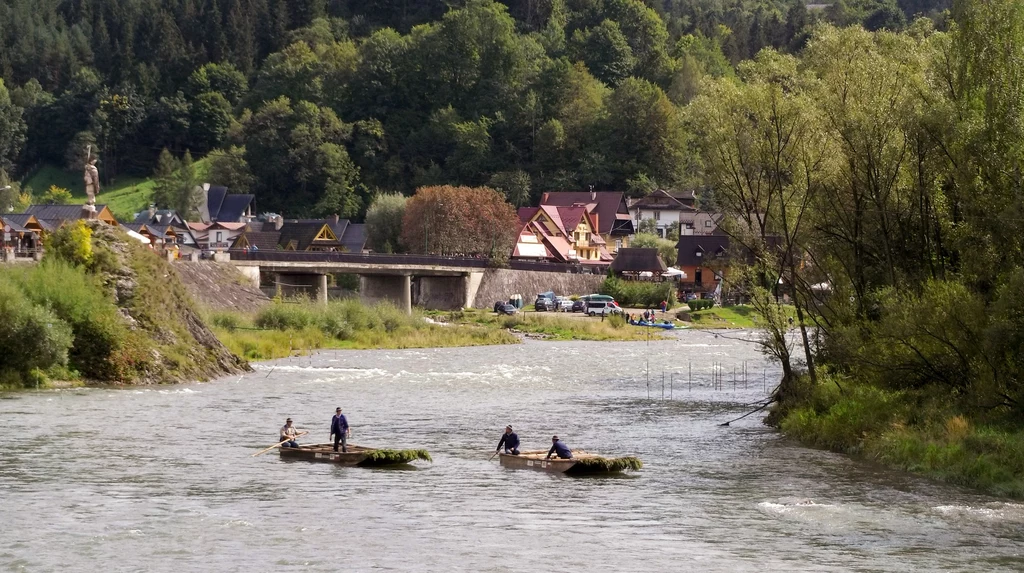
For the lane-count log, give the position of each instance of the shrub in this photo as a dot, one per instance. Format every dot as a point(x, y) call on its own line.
point(284, 316)
point(79, 299)
point(71, 243)
point(637, 293)
point(617, 320)
point(32, 337)
point(227, 320)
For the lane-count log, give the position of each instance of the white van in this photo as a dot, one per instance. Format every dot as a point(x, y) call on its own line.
point(602, 307)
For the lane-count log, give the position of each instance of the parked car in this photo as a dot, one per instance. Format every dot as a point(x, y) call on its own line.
point(545, 301)
point(579, 305)
point(563, 304)
point(506, 308)
point(603, 308)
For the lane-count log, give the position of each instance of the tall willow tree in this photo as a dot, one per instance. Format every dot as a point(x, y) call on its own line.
point(766, 154)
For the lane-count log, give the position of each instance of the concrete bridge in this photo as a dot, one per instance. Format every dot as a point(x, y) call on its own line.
point(433, 282)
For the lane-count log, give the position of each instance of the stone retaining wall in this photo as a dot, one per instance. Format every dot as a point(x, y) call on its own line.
point(500, 284)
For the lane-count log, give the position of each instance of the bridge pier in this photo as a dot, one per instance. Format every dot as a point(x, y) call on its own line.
point(321, 291)
point(394, 288)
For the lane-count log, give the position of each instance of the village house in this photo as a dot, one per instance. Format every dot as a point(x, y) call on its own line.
point(668, 209)
point(53, 217)
point(607, 209)
point(700, 257)
point(562, 235)
point(22, 236)
point(166, 226)
point(320, 235)
point(223, 217)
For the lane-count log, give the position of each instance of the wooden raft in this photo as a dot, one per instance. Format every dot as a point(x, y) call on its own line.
point(582, 463)
point(355, 456)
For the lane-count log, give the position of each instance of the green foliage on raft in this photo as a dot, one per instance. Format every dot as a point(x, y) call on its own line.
point(390, 457)
point(604, 465)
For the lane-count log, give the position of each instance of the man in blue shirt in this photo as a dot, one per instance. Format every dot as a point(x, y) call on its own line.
point(510, 440)
point(558, 447)
point(340, 430)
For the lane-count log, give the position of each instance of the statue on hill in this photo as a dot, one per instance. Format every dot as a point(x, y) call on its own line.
point(91, 176)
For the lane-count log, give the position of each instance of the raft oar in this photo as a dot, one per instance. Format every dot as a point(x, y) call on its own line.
point(279, 443)
point(492, 456)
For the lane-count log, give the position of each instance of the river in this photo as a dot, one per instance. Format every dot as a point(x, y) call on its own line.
point(163, 478)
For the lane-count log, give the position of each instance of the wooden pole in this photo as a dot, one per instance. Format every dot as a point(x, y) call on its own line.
point(279, 443)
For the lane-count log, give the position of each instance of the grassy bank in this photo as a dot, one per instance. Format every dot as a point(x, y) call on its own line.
point(551, 325)
point(102, 308)
point(287, 328)
point(918, 431)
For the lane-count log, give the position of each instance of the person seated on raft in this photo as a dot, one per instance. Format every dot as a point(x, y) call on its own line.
point(288, 435)
point(558, 447)
point(510, 440)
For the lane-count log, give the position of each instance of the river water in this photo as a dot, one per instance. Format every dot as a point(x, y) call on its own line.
point(162, 478)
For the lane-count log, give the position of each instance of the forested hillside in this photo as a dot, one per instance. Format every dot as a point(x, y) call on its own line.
point(319, 104)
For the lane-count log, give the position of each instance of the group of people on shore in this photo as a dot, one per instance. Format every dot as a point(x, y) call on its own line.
point(510, 441)
point(340, 432)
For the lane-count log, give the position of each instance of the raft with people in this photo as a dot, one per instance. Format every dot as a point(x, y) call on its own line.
point(355, 456)
point(581, 463)
point(666, 325)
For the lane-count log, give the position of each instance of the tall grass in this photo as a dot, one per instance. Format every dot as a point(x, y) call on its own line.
point(572, 328)
point(299, 325)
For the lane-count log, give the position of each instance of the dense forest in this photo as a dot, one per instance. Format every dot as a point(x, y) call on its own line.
point(321, 104)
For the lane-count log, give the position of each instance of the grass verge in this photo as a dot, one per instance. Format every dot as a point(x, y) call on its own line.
point(912, 431)
point(287, 328)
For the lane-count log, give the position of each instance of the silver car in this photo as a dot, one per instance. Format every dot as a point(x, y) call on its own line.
point(563, 304)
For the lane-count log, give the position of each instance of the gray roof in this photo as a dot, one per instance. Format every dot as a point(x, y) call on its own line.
point(63, 212)
point(226, 207)
point(354, 238)
point(709, 247)
point(638, 260)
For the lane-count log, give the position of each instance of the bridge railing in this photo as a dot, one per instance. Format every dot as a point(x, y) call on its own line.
point(358, 258)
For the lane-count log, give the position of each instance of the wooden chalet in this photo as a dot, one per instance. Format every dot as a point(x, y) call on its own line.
point(308, 235)
point(608, 211)
point(22, 235)
point(52, 217)
point(561, 235)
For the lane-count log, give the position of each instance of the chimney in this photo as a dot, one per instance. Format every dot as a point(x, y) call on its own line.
point(278, 222)
point(597, 226)
point(544, 198)
point(152, 211)
point(593, 194)
point(334, 218)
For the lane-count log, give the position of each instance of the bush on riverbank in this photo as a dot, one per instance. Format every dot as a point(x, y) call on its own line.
point(917, 431)
point(300, 325)
point(639, 293)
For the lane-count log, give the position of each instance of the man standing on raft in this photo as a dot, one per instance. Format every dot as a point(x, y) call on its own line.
point(340, 430)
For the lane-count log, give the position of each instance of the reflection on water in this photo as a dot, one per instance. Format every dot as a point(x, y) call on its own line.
point(162, 479)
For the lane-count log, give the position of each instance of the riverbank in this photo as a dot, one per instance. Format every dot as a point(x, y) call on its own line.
point(286, 328)
point(921, 431)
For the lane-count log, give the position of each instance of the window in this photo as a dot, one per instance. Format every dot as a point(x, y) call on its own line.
point(618, 244)
point(707, 223)
point(699, 254)
point(220, 237)
point(657, 215)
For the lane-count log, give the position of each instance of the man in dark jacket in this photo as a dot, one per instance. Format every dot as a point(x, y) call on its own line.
point(510, 440)
point(558, 447)
point(340, 430)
